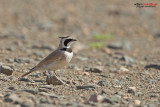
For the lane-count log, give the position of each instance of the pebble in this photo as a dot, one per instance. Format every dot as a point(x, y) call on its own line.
point(96, 69)
point(116, 98)
point(13, 98)
point(121, 70)
point(132, 90)
point(96, 98)
point(48, 94)
point(137, 102)
point(24, 79)
point(157, 35)
point(6, 70)
point(126, 45)
point(128, 59)
point(103, 83)
point(27, 103)
point(82, 58)
point(54, 80)
point(139, 94)
point(85, 73)
point(91, 86)
point(32, 91)
point(22, 60)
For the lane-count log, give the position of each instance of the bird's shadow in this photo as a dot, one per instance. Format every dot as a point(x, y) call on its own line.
point(155, 66)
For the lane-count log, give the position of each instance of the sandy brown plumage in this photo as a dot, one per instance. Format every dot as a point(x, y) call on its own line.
point(56, 60)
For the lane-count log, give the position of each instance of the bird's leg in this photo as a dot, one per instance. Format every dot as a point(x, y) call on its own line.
point(55, 73)
point(50, 72)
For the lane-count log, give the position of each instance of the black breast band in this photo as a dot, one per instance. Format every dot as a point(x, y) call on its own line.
point(67, 49)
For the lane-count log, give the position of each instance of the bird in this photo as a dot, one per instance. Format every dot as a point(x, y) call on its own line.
point(58, 58)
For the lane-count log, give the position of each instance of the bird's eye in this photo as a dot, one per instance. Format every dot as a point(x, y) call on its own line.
point(67, 41)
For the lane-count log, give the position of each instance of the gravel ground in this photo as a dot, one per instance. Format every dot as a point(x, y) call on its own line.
point(116, 59)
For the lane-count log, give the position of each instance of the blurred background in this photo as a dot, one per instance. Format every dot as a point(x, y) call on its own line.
point(29, 25)
point(118, 50)
point(42, 20)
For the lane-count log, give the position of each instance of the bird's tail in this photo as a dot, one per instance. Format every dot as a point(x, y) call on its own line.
point(31, 70)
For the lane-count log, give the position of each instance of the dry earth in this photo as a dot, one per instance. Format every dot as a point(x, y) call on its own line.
point(124, 72)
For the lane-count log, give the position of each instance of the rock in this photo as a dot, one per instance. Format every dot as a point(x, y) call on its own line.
point(92, 86)
point(45, 100)
point(85, 73)
point(27, 103)
point(96, 69)
point(127, 59)
point(48, 94)
point(120, 45)
point(107, 100)
point(54, 80)
point(22, 60)
point(139, 94)
point(121, 70)
point(47, 87)
point(96, 98)
point(13, 98)
point(82, 58)
point(32, 91)
point(20, 97)
point(6, 70)
point(103, 83)
point(157, 35)
point(137, 102)
point(132, 90)
point(116, 98)
point(24, 79)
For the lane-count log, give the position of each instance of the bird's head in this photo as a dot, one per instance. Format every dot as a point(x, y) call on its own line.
point(66, 42)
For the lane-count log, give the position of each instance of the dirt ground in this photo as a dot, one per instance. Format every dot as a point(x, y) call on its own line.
point(116, 58)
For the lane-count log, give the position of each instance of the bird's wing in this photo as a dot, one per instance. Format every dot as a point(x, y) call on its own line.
point(53, 57)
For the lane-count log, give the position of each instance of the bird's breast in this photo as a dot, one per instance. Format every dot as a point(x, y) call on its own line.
point(68, 56)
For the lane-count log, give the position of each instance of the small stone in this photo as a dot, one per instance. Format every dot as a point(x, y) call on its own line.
point(103, 83)
point(47, 94)
point(85, 73)
point(24, 79)
point(157, 35)
point(12, 98)
point(121, 70)
point(22, 60)
point(54, 80)
point(92, 86)
point(137, 102)
point(116, 98)
point(96, 98)
point(107, 100)
point(32, 91)
point(47, 87)
point(82, 58)
point(6, 70)
point(120, 45)
point(27, 103)
point(139, 94)
point(132, 90)
point(128, 59)
point(96, 69)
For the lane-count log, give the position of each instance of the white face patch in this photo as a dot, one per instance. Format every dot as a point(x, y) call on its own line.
point(68, 56)
point(68, 45)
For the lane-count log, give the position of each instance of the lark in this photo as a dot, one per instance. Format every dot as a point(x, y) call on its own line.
point(57, 59)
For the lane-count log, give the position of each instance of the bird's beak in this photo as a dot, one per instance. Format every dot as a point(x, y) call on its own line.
point(74, 40)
